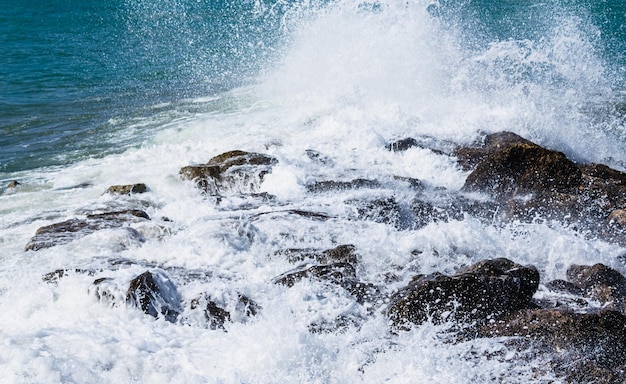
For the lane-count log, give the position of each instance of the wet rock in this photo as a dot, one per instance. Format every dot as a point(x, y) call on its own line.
point(403, 144)
point(486, 290)
point(127, 189)
point(108, 291)
point(340, 324)
point(618, 216)
point(601, 283)
point(155, 294)
point(425, 212)
point(332, 185)
point(55, 276)
point(382, 210)
point(345, 253)
point(469, 157)
point(408, 143)
point(319, 158)
point(583, 347)
point(335, 272)
point(230, 173)
point(216, 315)
point(69, 230)
point(521, 169)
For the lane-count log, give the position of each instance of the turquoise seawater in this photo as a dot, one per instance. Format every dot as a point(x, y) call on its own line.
point(74, 75)
point(84, 78)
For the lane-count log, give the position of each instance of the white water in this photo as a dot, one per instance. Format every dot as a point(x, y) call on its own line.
point(350, 82)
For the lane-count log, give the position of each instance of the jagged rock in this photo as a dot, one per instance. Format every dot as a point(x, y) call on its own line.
point(319, 158)
point(382, 210)
point(69, 230)
point(408, 143)
point(522, 169)
point(335, 272)
point(425, 212)
point(486, 290)
point(345, 253)
point(55, 276)
point(469, 157)
point(216, 315)
point(601, 283)
point(583, 347)
point(403, 144)
point(155, 294)
point(127, 189)
point(231, 172)
point(332, 185)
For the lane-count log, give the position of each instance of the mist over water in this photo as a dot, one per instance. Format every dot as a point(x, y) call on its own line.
point(175, 83)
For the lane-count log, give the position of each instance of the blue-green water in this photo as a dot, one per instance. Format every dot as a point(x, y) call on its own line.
point(68, 68)
point(82, 78)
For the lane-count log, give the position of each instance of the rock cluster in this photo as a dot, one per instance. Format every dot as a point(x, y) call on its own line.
point(516, 179)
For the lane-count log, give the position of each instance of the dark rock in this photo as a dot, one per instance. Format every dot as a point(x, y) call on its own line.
point(345, 253)
point(425, 212)
point(55, 276)
point(340, 324)
point(107, 290)
point(332, 185)
point(335, 272)
point(469, 157)
point(584, 347)
point(217, 316)
point(563, 286)
point(69, 230)
point(403, 144)
point(411, 182)
point(600, 283)
point(231, 172)
point(319, 158)
point(155, 294)
point(127, 189)
point(523, 169)
point(486, 290)
point(382, 210)
point(363, 292)
point(408, 143)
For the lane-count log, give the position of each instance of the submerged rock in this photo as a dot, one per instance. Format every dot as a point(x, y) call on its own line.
point(581, 347)
point(155, 294)
point(127, 189)
point(231, 172)
point(345, 253)
point(239, 308)
point(486, 290)
point(335, 272)
point(334, 186)
point(382, 210)
point(69, 230)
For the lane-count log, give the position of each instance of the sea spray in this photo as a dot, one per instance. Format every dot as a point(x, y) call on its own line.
point(352, 78)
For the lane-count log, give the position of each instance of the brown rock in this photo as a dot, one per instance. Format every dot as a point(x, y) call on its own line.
point(583, 347)
point(523, 169)
point(127, 189)
point(230, 172)
point(69, 230)
point(469, 157)
point(488, 289)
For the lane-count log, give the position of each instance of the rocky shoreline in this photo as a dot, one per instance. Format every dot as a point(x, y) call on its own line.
point(578, 324)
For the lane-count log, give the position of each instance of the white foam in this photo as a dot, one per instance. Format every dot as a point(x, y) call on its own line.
point(350, 82)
